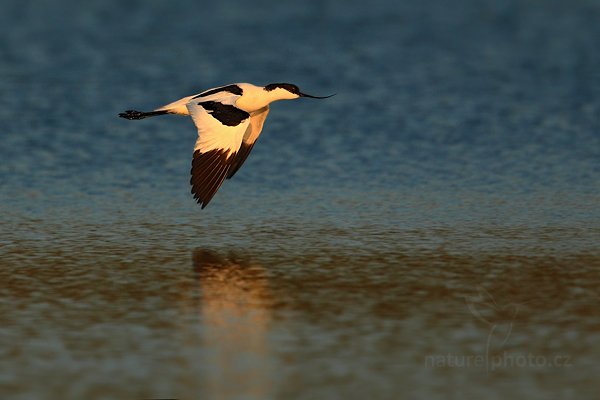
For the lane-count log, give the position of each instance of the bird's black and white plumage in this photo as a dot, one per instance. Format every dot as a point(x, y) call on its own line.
point(229, 120)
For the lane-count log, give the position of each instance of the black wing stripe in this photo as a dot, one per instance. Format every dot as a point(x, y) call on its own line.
point(233, 89)
point(226, 114)
point(239, 159)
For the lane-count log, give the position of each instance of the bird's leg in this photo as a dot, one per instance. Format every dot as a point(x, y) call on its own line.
point(134, 114)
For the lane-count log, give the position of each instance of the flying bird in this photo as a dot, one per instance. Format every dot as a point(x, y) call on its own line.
point(229, 120)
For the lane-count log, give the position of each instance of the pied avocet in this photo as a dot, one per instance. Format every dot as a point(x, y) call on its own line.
point(229, 120)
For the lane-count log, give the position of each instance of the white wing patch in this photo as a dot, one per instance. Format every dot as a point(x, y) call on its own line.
point(220, 124)
point(257, 119)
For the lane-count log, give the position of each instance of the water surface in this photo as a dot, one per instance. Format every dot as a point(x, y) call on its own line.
point(431, 232)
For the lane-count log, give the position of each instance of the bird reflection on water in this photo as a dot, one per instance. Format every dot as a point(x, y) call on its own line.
point(235, 318)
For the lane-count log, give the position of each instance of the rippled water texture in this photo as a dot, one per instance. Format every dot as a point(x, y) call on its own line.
point(430, 232)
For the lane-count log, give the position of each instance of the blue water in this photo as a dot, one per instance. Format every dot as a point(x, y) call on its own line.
point(459, 160)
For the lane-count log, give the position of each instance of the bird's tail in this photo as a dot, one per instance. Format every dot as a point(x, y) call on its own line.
point(134, 114)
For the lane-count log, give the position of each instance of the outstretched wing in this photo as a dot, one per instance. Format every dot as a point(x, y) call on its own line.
point(221, 127)
point(257, 119)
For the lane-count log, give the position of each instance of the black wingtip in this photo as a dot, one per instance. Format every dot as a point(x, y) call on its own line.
point(200, 202)
point(209, 171)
